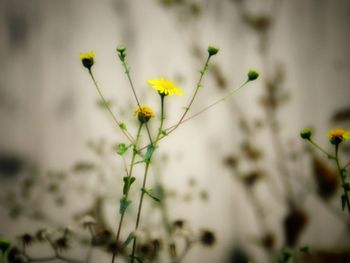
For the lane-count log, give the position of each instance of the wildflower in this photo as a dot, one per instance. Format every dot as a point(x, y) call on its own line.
point(252, 75)
point(212, 50)
point(165, 87)
point(87, 59)
point(336, 136)
point(144, 113)
point(306, 134)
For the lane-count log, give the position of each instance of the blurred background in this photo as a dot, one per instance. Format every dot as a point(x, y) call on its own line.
point(239, 170)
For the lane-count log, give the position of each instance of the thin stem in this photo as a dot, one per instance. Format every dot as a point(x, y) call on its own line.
point(126, 133)
point(198, 85)
point(162, 97)
point(172, 128)
point(139, 211)
point(127, 72)
point(132, 162)
point(320, 148)
point(342, 177)
point(346, 165)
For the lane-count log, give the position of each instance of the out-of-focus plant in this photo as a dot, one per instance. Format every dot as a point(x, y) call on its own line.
point(336, 138)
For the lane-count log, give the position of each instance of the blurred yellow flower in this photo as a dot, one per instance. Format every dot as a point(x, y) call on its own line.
point(165, 87)
point(144, 113)
point(87, 59)
point(339, 133)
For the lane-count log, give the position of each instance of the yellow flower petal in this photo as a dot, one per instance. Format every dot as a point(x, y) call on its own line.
point(165, 86)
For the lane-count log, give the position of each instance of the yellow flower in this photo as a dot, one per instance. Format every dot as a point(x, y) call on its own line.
point(87, 59)
point(338, 135)
point(144, 113)
point(165, 87)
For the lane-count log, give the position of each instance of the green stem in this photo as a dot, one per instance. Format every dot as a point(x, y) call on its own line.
point(162, 97)
point(172, 128)
point(139, 211)
point(321, 149)
point(130, 138)
point(198, 85)
point(132, 163)
point(127, 72)
point(342, 177)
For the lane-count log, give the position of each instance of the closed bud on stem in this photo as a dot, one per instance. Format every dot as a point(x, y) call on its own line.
point(121, 52)
point(144, 113)
point(306, 134)
point(252, 75)
point(212, 50)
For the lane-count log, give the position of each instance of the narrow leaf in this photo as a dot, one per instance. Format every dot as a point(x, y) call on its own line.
point(149, 153)
point(128, 180)
point(149, 193)
point(124, 203)
point(131, 236)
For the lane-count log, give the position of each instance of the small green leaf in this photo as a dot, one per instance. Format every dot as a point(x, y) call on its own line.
point(346, 187)
point(122, 148)
point(124, 203)
point(343, 201)
point(149, 153)
point(164, 133)
point(149, 193)
point(4, 245)
point(131, 236)
point(128, 180)
point(122, 126)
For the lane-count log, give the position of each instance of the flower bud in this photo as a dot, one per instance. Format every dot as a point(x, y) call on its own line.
point(144, 113)
point(121, 52)
point(252, 75)
point(306, 134)
point(212, 50)
point(87, 59)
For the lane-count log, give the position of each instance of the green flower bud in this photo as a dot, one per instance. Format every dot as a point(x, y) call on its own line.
point(121, 52)
point(212, 50)
point(252, 75)
point(306, 134)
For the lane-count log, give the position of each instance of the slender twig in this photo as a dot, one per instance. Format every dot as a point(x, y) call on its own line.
point(345, 185)
point(321, 149)
point(132, 162)
point(127, 72)
point(172, 128)
point(126, 133)
point(198, 86)
point(162, 97)
point(139, 211)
